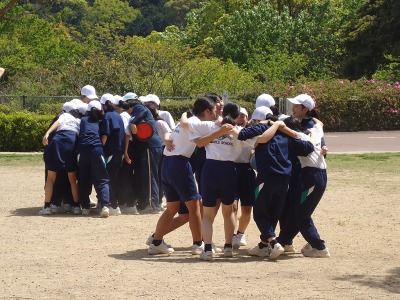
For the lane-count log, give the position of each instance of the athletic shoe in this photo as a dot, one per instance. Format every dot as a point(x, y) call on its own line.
point(67, 207)
point(242, 239)
point(131, 210)
point(115, 211)
point(313, 252)
point(92, 203)
point(160, 249)
point(45, 211)
point(77, 210)
point(85, 211)
point(228, 252)
point(289, 248)
point(215, 249)
point(57, 209)
point(150, 239)
point(235, 242)
point(197, 250)
point(105, 212)
point(260, 252)
point(149, 210)
point(306, 247)
point(206, 255)
point(276, 251)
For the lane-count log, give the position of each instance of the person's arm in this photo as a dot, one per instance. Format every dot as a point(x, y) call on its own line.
point(253, 131)
point(126, 145)
point(104, 139)
point(205, 140)
point(184, 121)
point(168, 142)
point(269, 133)
point(324, 148)
point(53, 127)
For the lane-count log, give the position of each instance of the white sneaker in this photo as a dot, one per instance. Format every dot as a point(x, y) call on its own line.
point(115, 211)
point(228, 252)
point(150, 239)
point(260, 252)
point(313, 252)
point(235, 242)
point(45, 211)
point(85, 211)
point(215, 249)
point(242, 239)
point(105, 212)
point(197, 250)
point(160, 249)
point(206, 255)
point(276, 251)
point(132, 210)
point(289, 248)
point(77, 210)
point(57, 209)
point(67, 207)
point(306, 247)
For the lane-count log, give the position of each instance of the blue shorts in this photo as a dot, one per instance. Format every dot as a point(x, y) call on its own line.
point(218, 181)
point(246, 184)
point(61, 152)
point(178, 180)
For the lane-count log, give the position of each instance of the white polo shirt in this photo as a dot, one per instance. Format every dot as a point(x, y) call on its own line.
point(180, 139)
point(69, 122)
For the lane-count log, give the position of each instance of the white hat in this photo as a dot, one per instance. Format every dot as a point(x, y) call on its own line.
point(77, 101)
point(303, 99)
point(260, 113)
point(106, 97)
point(118, 98)
point(152, 98)
point(89, 91)
point(95, 104)
point(68, 106)
point(265, 100)
point(142, 98)
point(129, 96)
point(244, 111)
point(82, 108)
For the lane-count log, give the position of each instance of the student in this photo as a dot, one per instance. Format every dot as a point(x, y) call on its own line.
point(92, 167)
point(60, 154)
point(309, 191)
point(112, 135)
point(269, 101)
point(274, 168)
point(163, 114)
point(88, 93)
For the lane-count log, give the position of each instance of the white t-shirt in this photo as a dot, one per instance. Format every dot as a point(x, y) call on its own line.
point(224, 148)
point(69, 122)
point(162, 129)
point(125, 118)
point(166, 116)
point(314, 159)
point(247, 149)
point(180, 138)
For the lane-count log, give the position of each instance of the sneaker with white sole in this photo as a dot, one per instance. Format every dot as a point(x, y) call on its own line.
point(77, 210)
point(131, 210)
point(45, 211)
point(260, 252)
point(85, 211)
point(242, 239)
point(196, 249)
point(235, 241)
point(215, 249)
point(115, 211)
point(57, 209)
point(313, 252)
point(67, 207)
point(306, 247)
point(228, 252)
point(289, 248)
point(160, 249)
point(206, 255)
point(276, 251)
point(105, 212)
point(150, 239)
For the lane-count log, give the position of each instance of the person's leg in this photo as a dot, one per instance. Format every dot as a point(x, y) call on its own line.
point(194, 219)
point(100, 178)
point(74, 186)
point(209, 214)
point(165, 220)
point(244, 219)
point(113, 167)
point(48, 189)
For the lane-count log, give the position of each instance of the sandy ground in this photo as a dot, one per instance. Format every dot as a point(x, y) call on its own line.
point(86, 257)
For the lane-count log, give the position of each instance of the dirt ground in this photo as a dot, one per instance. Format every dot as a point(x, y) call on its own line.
point(86, 257)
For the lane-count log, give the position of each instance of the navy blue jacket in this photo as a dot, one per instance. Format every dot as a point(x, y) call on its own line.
point(113, 127)
point(89, 137)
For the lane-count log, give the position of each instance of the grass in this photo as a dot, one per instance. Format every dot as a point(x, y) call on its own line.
point(21, 159)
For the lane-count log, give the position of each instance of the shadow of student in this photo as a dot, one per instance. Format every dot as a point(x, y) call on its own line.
point(34, 211)
point(389, 283)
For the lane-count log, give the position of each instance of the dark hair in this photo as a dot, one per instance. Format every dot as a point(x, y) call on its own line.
point(123, 104)
point(313, 114)
point(231, 109)
point(75, 113)
point(202, 104)
point(134, 102)
point(189, 113)
point(293, 124)
point(95, 115)
point(153, 109)
point(274, 110)
point(213, 96)
point(109, 106)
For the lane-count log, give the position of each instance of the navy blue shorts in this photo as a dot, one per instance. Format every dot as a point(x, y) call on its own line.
point(61, 152)
point(218, 181)
point(246, 184)
point(178, 180)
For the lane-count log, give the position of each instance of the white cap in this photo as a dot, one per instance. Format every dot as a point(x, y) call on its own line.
point(76, 101)
point(260, 113)
point(82, 108)
point(129, 96)
point(303, 99)
point(118, 98)
point(265, 100)
point(106, 97)
point(68, 106)
point(89, 91)
point(244, 111)
point(151, 98)
point(95, 104)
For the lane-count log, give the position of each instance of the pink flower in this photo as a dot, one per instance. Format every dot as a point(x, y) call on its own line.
point(389, 84)
point(341, 81)
point(291, 87)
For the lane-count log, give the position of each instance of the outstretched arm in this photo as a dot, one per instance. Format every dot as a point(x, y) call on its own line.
point(204, 140)
point(269, 133)
point(53, 127)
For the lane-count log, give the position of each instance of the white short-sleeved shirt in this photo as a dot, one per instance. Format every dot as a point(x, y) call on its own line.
point(247, 148)
point(180, 138)
point(69, 122)
point(125, 118)
point(224, 148)
point(162, 129)
point(314, 159)
point(166, 116)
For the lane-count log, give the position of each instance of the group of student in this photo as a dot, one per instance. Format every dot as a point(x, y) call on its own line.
point(288, 185)
point(95, 144)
